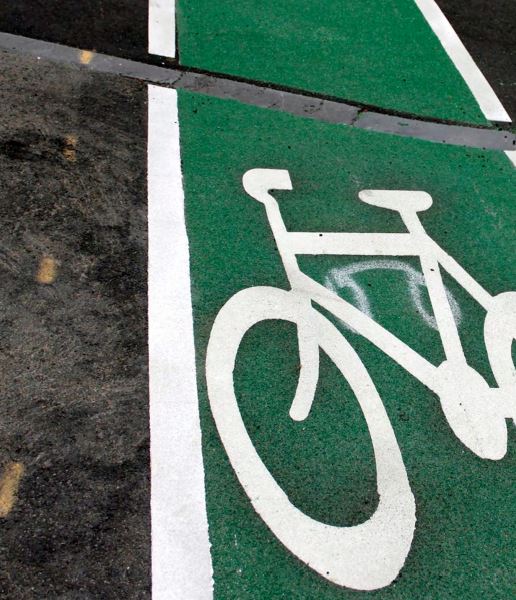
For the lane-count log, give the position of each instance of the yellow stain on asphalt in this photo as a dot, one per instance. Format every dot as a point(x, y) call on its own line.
point(86, 56)
point(47, 270)
point(70, 148)
point(9, 484)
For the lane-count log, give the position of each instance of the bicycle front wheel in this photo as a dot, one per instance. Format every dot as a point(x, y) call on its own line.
point(500, 334)
point(367, 556)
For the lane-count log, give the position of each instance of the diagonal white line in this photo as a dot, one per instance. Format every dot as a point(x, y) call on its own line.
point(484, 94)
point(511, 155)
point(181, 561)
point(162, 28)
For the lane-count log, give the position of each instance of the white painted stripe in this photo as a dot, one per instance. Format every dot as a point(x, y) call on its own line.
point(477, 83)
point(511, 155)
point(162, 27)
point(354, 244)
point(181, 561)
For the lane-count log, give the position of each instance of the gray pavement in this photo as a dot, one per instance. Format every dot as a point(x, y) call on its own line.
point(262, 95)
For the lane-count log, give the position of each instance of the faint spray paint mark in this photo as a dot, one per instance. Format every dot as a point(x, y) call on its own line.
point(47, 270)
point(343, 277)
point(9, 485)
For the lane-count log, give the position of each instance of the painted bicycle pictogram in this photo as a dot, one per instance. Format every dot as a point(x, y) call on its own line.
point(370, 555)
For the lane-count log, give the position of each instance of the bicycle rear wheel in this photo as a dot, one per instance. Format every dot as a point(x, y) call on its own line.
point(367, 556)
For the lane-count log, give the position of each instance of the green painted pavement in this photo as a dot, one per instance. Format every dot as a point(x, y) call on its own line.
point(380, 53)
point(465, 543)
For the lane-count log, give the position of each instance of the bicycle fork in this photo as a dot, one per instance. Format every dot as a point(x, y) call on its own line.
point(308, 370)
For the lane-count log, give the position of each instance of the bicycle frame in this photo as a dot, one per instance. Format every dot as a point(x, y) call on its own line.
point(415, 243)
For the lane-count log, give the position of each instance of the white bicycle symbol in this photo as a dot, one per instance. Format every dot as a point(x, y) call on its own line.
point(370, 555)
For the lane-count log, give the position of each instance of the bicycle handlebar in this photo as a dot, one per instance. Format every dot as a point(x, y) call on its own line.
point(258, 182)
point(398, 200)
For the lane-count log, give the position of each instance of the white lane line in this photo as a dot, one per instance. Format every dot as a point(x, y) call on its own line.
point(511, 155)
point(484, 94)
point(181, 561)
point(162, 27)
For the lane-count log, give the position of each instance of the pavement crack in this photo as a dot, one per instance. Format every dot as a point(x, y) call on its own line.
point(357, 116)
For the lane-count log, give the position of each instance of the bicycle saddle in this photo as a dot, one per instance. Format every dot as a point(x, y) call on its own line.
point(400, 200)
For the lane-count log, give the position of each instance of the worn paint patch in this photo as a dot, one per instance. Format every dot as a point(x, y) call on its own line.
point(47, 270)
point(70, 148)
point(86, 56)
point(9, 485)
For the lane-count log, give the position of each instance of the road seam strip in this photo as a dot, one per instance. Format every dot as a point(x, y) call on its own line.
point(295, 103)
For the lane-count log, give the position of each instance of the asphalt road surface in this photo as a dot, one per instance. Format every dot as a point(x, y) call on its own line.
point(74, 360)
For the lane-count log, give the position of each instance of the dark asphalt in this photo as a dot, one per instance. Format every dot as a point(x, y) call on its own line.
point(73, 358)
point(116, 27)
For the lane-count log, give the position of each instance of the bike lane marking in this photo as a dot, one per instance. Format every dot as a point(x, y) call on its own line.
point(508, 154)
point(460, 499)
point(162, 28)
point(473, 76)
point(181, 562)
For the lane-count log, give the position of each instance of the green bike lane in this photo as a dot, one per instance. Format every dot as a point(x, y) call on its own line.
point(383, 54)
point(463, 543)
